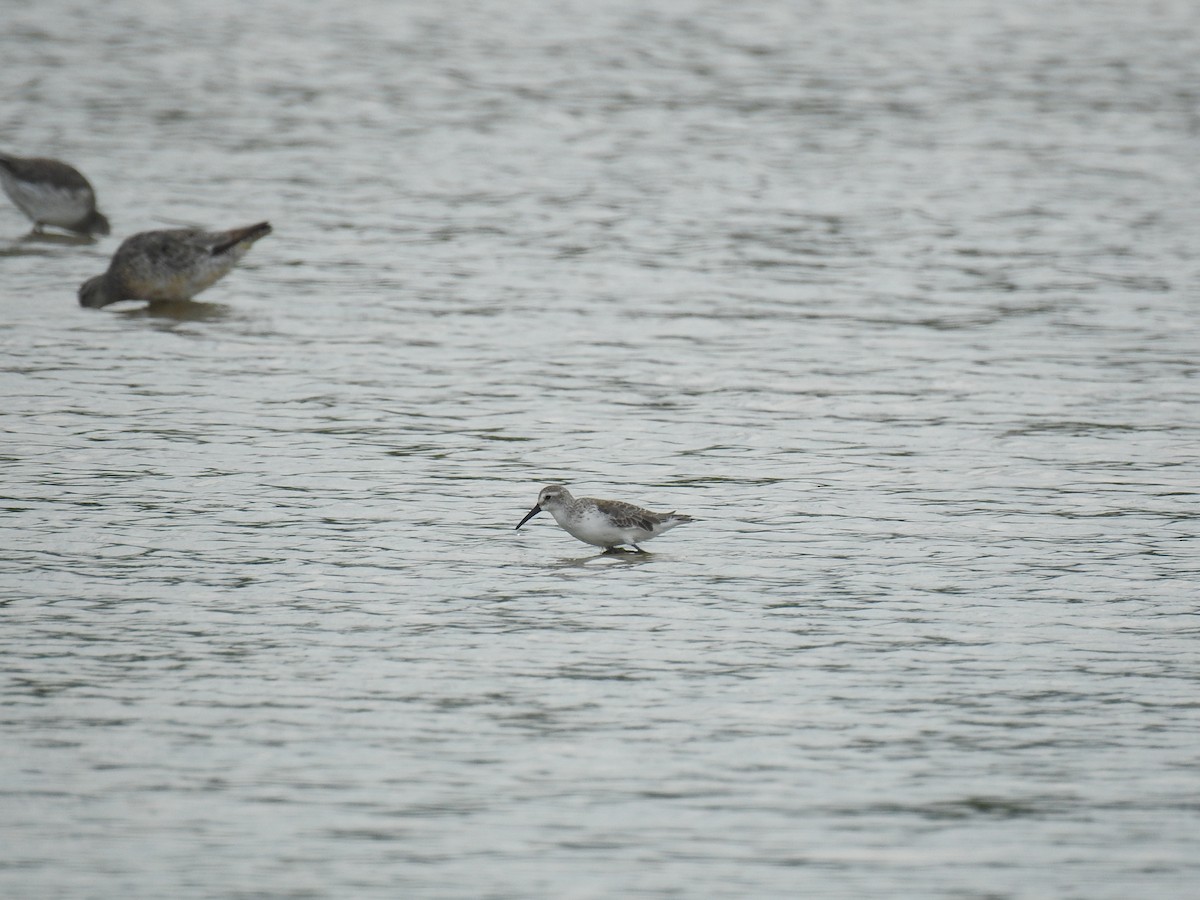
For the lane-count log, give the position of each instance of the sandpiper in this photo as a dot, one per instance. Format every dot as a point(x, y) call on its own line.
point(169, 266)
point(604, 523)
point(51, 193)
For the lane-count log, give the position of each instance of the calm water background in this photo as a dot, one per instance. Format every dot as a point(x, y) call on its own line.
point(899, 300)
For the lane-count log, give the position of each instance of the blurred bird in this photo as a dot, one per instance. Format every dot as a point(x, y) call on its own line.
point(51, 193)
point(169, 266)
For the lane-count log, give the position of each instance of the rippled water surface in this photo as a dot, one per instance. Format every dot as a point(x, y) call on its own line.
point(898, 300)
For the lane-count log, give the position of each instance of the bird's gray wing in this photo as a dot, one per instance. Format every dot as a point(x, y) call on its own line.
point(626, 515)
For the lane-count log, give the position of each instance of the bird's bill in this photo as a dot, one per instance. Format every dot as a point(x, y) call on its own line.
point(533, 512)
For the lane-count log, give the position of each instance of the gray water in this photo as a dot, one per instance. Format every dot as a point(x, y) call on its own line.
point(898, 300)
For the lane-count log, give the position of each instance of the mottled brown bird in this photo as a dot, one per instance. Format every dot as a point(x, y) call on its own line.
point(171, 265)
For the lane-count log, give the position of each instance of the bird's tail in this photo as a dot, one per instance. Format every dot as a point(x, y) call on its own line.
point(248, 235)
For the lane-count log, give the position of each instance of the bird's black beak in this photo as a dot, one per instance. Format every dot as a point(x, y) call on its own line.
point(533, 512)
